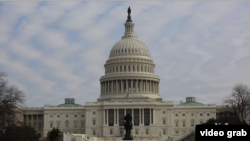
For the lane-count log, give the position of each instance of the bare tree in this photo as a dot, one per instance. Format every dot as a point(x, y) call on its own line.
point(238, 102)
point(9, 97)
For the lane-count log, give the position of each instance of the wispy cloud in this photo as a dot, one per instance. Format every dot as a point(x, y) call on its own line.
point(53, 50)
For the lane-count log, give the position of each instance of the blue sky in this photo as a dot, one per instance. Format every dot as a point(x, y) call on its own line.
point(54, 50)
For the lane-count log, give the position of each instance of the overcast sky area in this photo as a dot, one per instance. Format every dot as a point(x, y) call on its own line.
point(56, 50)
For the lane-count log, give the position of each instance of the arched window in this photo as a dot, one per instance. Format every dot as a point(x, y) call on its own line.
point(192, 122)
point(67, 124)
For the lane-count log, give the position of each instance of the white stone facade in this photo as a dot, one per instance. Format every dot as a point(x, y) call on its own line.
point(129, 70)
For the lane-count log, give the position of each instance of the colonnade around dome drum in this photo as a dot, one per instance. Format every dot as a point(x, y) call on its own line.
point(129, 86)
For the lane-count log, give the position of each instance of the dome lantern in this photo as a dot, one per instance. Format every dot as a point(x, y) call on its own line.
point(129, 27)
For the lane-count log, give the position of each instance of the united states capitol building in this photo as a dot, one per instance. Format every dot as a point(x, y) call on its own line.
point(128, 70)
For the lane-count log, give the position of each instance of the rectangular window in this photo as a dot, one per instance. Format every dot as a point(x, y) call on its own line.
point(39, 126)
point(75, 124)
point(82, 115)
point(111, 132)
point(183, 114)
point(67, 116)
point(82, 124)
point(51, 125)
point(164, 131)
point(120, 68)
point(136, 131)
point(183, 123)
point(163, 112)
point(58, 115)
point(176, 123)
point(75, 115)
point(207, 114)
point(93, 122)
point(146, 131)
point(93, 132)
point(67, 123)
point(164, 121)
point(51, 115)
point(58, 124)
point(200, 114)
point(93, 113)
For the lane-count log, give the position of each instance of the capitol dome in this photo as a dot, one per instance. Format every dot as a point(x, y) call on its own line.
point(131, 47)
point(129, 70)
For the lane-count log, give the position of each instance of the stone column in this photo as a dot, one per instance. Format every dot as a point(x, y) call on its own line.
point(171, 115)
point(150, 118)
point(144, 86)
point(101, 87)
point(112, 88)
point(32, 121)
point(42, 124)
point(143, 116)
point(116, 86)
point(140, 120)
point(132, 110)
point(126, 85)
point(118, 117)
point(153, 87)
point(104, 83)
point(106, 116)
point(132, 86)
point(136, 86)
point(153, 110)
point(37, 122)
point(122, 86)
point(103, 117)
point(149, 86)
point(108, 87)
point(141, 86)
point(114, 117)
point(158, 87)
